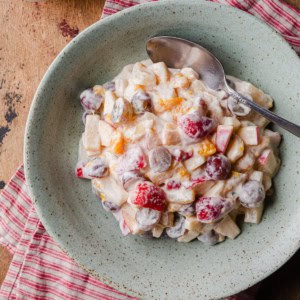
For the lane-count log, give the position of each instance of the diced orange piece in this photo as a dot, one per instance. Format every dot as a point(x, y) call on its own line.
point(118, 143)
point(139, 87)
point(207, 148)
point(183, 172)
point(169, 104)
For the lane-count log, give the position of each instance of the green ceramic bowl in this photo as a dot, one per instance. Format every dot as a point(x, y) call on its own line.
point(146, 268)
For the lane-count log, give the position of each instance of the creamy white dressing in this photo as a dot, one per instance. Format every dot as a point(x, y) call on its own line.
point(174, 94)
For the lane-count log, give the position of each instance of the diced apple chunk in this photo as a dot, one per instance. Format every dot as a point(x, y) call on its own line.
point(268, 163)
point(82, 154)
point(203, 187)
point(180, 196)
point(188, 236)
point(110, 190)
point(223, 136)
point(232, 121)
point(253, 215)
point(91, 138)
point(234, 181)
point(106, 132)
point(249, 135)
point(178, 80)
point(192, 223)
point(170, 134)
point(275, 137)
point(194, 162)
point(159, 178)
point(257, 175)
point(120, 85)
point(245, 163)
point(174, 207)
point(129, 214)
point(109, 101)
point(221, 238)
point(235, 150)
point(228, 228)
point(267, 182)
point(161, 71)
point(216, 190)
point(129, 91)
point(143, 75)
point(157, 231)
point(167, 219)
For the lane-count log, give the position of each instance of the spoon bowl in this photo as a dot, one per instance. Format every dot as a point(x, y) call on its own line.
point(179, 53)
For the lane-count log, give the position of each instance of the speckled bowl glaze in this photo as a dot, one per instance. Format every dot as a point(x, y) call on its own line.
point(149, 268)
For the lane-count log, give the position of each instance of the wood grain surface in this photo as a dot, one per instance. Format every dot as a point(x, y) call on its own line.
point(31, 35)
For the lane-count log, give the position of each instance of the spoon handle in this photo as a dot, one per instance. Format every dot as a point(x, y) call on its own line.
point(289, 126)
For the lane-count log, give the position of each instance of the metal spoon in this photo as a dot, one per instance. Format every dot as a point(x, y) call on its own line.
point(179, 53)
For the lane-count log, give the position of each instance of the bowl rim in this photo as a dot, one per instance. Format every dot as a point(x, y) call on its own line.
point(29, 173)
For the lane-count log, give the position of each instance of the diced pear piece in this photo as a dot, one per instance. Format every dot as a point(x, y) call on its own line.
point(157, 231)
point(91, 138)
point(203, 187)
point(235, 150)
point(275, 137)
point(253, 215)
point(129, 92)
point(268, 162)
point(180, 196)
point(234, 181)
point(121, 85)
point(179, 81)
point(173, 207)
point(246, 162)
point(82, 154)
point(194, 162)
point(216, 190)
point(188, 236)
point(159, 178)
point(142, 75)
point(129, 214)
point(232, 121)
point(109, 101)
point(250, 135)
point(193, 224)
point(267, 182)
point(227, 227)
point(170, 134)
point(110, 190)
point(167, 219)
point(106, 132)
point(257, 175)
point(161, 71)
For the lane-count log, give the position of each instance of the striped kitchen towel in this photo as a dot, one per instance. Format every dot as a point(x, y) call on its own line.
point(40, 269)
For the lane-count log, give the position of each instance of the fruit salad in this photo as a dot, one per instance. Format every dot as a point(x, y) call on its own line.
point(167, 156)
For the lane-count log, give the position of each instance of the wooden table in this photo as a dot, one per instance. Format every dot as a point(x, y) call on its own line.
point(31, 35)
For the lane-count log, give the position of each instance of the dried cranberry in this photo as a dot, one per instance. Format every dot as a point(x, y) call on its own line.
point(196, 126)
point(149, 195)
point(210, 209)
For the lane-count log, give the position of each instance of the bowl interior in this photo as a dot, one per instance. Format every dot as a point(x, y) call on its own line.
point(161, 268)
